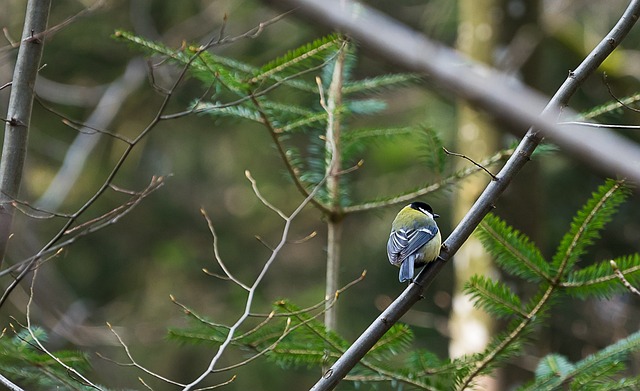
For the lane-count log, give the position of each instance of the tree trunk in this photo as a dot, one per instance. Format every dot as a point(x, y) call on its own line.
point(471, 328)
point(16, 131)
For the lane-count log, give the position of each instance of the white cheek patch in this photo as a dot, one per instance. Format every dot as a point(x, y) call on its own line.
point(426, 212)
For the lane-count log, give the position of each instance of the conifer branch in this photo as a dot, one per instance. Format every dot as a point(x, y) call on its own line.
point(283, 155)
point(448, 181)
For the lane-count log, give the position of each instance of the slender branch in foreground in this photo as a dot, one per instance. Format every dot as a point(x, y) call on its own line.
point(10, 386)
point(133, 362)
point(69, 369)
point(108, 218)
point(605, 126)
point(252, 289)
point(488, 90)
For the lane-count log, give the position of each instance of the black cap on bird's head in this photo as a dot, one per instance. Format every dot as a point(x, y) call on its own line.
point(424, 208)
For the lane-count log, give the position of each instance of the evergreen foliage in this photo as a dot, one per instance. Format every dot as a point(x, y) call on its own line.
point(244, 92)
point(22, 360)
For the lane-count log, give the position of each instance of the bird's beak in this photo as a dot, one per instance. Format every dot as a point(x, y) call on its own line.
point(435, 215)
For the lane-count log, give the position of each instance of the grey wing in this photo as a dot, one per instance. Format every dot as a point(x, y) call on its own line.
point(398, 241)
point(405, 242)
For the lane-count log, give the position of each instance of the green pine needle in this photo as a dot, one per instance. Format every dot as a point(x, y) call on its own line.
point(599, 279)
point(595, 372)
point(609, 107)
point(300, 58)
point(587, 224)
point(431, 150)
point(494, 297)
point(379, 83)
point(513, 251)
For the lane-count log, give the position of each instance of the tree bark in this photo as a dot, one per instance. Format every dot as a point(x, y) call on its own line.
point(14, 150)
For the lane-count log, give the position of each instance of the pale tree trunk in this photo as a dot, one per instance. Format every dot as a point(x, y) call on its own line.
point(334, 164)
point(471, 328)
point(16, 131)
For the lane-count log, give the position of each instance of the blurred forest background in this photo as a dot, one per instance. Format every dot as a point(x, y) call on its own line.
point(124, 274)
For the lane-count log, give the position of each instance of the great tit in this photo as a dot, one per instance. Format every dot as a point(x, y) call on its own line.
point(414, 240)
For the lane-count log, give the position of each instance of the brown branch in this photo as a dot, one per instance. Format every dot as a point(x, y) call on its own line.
point(495, 178)
point(606, 83)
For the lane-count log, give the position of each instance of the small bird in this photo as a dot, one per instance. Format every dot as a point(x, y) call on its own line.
point(414, 240)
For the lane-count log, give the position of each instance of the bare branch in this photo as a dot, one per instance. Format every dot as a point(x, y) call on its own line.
point(480, 166)
point(192, 314)
point(620, 102)
point(133, 361)
point(106, 219)
point(252, 289)
point(266, 203)
point(605, 126)
point(80, 149)
point(216, 252)
point(69, 369)
point(9, 384)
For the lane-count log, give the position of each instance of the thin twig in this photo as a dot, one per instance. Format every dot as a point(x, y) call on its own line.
point(604, 126)
point(9, 384)
point(216, 252)
point(80, 126)
point(233, 378)
point(41, 347)
point(266, 203)
point(317, 305)
point(305, 239)
point(133, 361)
point(252, 290)
point(495, 178)
point(606, 83)
point(262, 352)
point(192, 314)
point(29, 264)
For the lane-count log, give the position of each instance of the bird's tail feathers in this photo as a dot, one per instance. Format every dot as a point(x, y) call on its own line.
point(407, 270)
